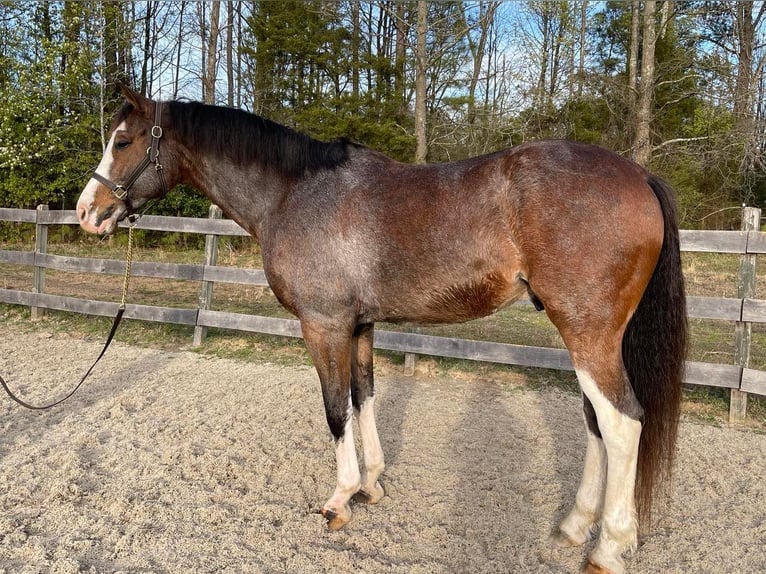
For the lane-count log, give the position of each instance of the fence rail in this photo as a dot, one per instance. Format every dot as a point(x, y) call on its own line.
point(743, 311)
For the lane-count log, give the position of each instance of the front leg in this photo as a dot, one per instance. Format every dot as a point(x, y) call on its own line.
point(363, 399)
point(329, 344)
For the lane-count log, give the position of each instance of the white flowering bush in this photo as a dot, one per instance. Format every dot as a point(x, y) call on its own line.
point(49, 129)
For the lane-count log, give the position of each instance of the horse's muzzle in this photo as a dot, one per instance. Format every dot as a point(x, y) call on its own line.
point(98, 216)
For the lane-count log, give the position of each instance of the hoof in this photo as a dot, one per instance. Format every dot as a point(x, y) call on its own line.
point(570, 539)
point(593, 568)
point(336, 519)
point(370, 495)
point(561, 540)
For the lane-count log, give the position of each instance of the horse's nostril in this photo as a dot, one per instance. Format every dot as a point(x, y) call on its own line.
point(82, 212)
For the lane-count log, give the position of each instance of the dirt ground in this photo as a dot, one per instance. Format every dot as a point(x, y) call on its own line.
point(171, 462)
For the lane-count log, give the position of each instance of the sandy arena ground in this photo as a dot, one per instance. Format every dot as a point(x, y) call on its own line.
point(175, 463)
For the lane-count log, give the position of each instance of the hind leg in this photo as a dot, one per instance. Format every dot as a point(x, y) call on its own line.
point(363, 400)
point(330, 348)
point(618, 413)
point(579, 525)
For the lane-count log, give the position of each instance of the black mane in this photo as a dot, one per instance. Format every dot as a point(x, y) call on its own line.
point(246, 138)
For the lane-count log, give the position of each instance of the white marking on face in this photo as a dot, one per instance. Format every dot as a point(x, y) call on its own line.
point(88, 195)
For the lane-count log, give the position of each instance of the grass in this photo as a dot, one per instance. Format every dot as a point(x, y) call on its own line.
point(709, 275)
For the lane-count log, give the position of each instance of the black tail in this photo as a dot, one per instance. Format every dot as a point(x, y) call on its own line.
point(654, 350)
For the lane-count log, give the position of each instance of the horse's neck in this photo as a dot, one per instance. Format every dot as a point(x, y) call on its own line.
point(247, 194)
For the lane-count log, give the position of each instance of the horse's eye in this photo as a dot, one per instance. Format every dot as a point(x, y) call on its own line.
point(122, 144)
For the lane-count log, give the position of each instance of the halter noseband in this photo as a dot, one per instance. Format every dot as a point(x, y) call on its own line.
point(152, 156)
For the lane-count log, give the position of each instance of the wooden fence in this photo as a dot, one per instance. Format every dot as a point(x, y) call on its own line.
point(745, 310)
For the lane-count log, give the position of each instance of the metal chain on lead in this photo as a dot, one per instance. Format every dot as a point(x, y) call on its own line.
point(128, 265)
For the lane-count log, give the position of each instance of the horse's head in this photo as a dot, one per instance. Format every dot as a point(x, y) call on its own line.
point(132, 170)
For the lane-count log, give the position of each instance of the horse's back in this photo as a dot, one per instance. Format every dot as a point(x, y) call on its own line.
point(454, 241)
point(570, 221)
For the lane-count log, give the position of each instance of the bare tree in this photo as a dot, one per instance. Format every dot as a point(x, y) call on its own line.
point(230, 52)
point(148, 47)
point(421, 59)
point(545, 32)
point(749, 76)
point(635, 38)
point(179, 42)
point(210, 72)
point(355, 41)
point(642, 144)
point(478, 48)
point(400, 58)
point(582, 47)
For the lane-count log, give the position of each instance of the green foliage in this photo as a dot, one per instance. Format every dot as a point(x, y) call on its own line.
point(47, 129)
point(314, 66)
point(182, 201)
point(611, 32)
point(301, 71)
point(296, 46)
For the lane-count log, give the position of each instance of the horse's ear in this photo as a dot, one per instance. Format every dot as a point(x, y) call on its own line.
point(143, 105)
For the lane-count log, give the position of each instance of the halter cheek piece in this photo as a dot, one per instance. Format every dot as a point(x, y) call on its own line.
point(120, 190)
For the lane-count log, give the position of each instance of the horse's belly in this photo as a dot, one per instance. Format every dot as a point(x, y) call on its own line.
point(456, 302)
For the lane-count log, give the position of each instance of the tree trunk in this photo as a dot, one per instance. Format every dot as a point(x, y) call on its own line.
point(230, 53)
point(209, 77)
point(147, 49)
point(746, 104)
point(265, 60)
point(562, 21)
point(177, 74)
point(202, 18)
point(642, 147)
point(583, 32)
point(355, 34)
point(743, 91)
point(635, 27)
point(665, 15)
point(421, 150)
point(400, 59)
point(545, 31)
point(486, 17)
point(111, 30)
point(239, 55)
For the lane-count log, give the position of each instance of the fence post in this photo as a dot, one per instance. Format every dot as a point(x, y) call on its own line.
point(206, 287)
point(751, 220)
point(411, 359)
point(41, 246)
point(410, 362)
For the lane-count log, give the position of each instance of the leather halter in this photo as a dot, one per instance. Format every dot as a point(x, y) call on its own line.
point(120, 190)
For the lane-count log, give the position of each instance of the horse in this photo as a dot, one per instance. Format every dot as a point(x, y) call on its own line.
point(350, 237)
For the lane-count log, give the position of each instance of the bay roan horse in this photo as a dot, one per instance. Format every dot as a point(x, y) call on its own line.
point(350, 237)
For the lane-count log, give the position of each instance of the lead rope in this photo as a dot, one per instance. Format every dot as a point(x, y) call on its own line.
point(128, 264)
point(115, 324)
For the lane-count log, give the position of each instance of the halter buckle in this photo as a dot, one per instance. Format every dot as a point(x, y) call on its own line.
point(156, 132)
point(120, 192)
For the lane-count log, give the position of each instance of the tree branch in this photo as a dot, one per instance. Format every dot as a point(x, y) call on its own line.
point(679, 140)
